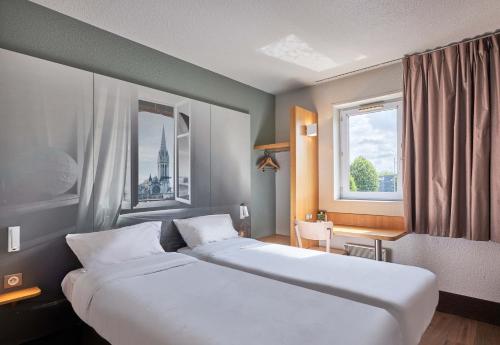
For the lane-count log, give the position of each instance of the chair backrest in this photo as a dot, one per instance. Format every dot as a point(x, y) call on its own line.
point(317, 231)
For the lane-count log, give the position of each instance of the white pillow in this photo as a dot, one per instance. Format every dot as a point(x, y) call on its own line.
point(205, 229)
point(117, 245)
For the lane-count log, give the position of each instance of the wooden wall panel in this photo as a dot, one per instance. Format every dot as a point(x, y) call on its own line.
point(304, 194)
point(367, 220)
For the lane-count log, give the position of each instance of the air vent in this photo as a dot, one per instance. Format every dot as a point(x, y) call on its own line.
point(363, 251)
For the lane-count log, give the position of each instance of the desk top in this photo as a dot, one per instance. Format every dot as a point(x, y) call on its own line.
point(372, 233)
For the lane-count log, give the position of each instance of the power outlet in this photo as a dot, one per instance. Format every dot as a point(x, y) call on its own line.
point(12, 280)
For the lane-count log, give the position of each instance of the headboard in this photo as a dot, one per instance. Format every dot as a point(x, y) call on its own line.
point(171, 239)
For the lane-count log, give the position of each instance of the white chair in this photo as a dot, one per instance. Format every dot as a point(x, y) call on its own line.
point(316, 231)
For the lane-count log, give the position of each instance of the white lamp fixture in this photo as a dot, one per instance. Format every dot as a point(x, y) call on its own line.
point(312, 130)
point(243, 211)
point(14, 239)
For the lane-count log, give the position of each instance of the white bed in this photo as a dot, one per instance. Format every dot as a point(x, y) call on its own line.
point(175, 299)
point(409, 293)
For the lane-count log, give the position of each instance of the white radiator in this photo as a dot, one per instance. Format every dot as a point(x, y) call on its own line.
point(364, 251)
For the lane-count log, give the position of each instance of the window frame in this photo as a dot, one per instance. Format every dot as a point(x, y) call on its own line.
point(345, 114)
point(186, 103)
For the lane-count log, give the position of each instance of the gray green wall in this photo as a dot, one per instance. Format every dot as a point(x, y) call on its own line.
point(35, 30)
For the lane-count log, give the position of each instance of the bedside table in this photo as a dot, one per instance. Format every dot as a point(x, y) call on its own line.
point(19, 295)
point(36, 318)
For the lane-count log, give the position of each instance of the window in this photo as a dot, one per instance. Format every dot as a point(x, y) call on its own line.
point(156, 134)
point(370, 152)
point(183, 153)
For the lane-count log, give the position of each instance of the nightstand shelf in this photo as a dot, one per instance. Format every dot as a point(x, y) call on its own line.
point(19, 295)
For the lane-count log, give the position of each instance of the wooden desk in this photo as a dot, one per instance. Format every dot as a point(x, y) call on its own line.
point(378, 235)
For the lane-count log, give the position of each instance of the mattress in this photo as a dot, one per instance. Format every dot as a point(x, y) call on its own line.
point(409, 293)
point(175, 299)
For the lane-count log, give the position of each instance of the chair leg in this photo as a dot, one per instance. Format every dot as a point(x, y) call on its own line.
point(297, 234)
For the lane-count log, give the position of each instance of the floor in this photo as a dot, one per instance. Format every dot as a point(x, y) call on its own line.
point(446, 329)
point(282, 239)
point(279, 239)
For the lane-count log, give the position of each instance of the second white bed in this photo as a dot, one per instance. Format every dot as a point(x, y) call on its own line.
point(409, 293)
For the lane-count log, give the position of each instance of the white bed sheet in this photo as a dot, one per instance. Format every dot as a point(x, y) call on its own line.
point(69, 282)
point(409, 293)
point(175, 299)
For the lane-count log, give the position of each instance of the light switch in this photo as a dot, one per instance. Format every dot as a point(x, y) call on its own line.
point(14, 241)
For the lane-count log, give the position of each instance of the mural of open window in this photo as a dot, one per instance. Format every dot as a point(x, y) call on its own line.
point(158, 153)
point(370, 155)
point(183, 153)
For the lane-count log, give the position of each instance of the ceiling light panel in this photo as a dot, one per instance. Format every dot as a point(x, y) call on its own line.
point(293, 50)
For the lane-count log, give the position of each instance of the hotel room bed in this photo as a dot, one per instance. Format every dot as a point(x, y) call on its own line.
point(409, 293)
point(172, 298)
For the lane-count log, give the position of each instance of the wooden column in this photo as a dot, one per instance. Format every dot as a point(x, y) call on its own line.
point(304, 194)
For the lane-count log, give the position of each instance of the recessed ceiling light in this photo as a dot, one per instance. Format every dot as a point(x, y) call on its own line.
point(292, 49)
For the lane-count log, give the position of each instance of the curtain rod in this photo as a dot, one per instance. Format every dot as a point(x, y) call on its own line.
point(399, 59)
point(467, 40)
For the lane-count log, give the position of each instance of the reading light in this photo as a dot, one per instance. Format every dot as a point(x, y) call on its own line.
point(243, 214)
point(312, 130)
point(243, 211)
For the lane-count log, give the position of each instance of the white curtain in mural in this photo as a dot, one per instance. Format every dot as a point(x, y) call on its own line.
point(104, 174)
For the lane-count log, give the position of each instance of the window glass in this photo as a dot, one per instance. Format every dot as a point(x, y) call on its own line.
point(371, 152)
point(182, 124)
point(183, 168)
point(155, 156)
point(183, 153)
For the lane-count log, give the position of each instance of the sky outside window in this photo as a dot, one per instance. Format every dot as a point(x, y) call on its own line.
point(374, 136)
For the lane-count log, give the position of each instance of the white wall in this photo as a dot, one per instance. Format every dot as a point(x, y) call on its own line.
point(463, 267)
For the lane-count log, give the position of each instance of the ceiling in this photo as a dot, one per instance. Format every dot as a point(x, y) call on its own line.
point(228, 36)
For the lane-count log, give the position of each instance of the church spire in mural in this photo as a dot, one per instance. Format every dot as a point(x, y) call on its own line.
point(163, 146)
point(163, 158)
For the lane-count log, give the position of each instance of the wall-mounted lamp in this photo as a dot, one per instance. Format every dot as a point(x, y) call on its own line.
point(312, 130)
point(243, 214)
point(244, 211)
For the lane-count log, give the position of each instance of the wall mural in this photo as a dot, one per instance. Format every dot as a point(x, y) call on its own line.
point(156, 169)
point(83, 152)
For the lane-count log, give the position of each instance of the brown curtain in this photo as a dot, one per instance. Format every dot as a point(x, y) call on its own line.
point(451, 139)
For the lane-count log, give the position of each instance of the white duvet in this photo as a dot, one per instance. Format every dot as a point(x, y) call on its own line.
point(409, 293)
point(174, 299)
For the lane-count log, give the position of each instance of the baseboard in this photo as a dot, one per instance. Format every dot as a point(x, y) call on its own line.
point(469, 307)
